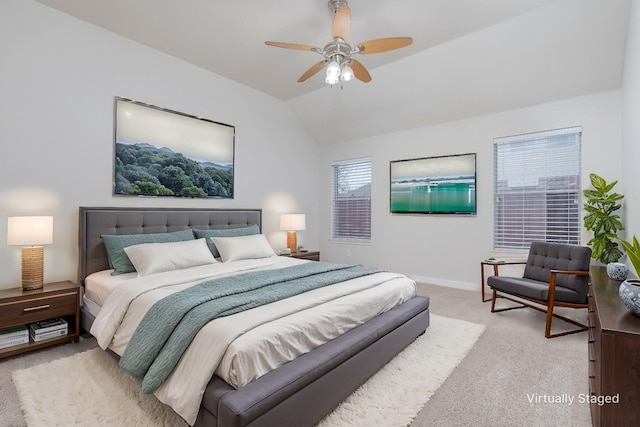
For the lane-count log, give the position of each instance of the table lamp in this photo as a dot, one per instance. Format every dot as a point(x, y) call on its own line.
point(292, 223)
point(31, 232)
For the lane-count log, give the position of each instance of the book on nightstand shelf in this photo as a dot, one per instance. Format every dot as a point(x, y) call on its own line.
point(14, 336)
point(46, 329)
point(48, 335)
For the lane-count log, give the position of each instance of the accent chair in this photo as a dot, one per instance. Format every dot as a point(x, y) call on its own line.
point(555, 275)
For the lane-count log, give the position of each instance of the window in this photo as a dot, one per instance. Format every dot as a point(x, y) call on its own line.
point(351, 200)
point(537, 188)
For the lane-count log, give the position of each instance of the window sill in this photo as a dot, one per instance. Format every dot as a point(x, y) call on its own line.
point(351, 242)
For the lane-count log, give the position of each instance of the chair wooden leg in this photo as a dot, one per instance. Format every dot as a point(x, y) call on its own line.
point(549, 315)
point(496, 295)
point(580, 328)
point(550, 303)
point(547, 330)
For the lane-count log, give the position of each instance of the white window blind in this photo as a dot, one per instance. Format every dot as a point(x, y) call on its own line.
point(537, 188)
point(351, 200)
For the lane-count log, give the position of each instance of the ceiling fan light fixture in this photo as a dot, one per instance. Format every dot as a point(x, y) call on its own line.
point(332, 79)
point(333, 69)
point(347, 73)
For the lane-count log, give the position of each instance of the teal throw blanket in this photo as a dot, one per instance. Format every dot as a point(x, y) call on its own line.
point(170, 325)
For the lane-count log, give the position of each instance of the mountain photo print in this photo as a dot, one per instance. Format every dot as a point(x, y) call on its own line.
point(161, 152)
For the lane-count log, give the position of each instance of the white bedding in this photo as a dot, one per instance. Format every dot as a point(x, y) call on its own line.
point(98, 286)
point(250, 343)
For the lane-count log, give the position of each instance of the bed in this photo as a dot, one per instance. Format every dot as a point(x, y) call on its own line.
point(298, 392)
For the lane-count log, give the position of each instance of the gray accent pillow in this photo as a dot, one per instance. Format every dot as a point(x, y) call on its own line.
point(226, 232)
point(115, 244)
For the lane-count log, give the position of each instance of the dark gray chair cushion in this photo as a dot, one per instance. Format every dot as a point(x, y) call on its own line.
point(531, 289)
point(544, 257)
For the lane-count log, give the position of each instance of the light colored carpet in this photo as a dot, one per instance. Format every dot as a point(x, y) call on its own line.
point(90, 389)
point(511, 361)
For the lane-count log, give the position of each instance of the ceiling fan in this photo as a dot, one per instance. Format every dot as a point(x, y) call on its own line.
point(338, 53)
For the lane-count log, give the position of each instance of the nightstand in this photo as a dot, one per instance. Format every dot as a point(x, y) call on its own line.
point(18, 307)
point(310, 255)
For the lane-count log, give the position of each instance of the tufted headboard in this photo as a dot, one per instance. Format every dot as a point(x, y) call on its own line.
point(95, 222)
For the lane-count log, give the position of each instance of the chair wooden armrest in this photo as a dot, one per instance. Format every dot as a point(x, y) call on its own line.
point(552, 280)
point(574, 272)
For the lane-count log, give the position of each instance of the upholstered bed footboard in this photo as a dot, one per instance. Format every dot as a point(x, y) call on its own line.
point(303, 391)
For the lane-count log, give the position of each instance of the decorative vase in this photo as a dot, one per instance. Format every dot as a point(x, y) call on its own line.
point(629, 292)
point(617, 271)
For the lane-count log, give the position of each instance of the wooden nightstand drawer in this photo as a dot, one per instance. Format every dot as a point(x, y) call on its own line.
point(45, 307)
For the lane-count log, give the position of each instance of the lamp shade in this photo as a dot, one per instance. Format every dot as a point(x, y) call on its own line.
point(333, 69)
point(30, 230)
point(292, 222)
point(347, 73)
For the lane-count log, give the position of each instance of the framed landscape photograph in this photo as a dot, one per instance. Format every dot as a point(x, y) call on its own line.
point(434, 185)
point(161, 152)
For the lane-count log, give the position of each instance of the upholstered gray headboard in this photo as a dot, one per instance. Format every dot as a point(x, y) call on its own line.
point(95, 222)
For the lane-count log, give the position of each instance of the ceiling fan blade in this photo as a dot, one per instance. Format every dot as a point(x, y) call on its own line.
point(341, 26)
point(359, 71)
point(383, 45)
point(311, 71)
point(293, 46)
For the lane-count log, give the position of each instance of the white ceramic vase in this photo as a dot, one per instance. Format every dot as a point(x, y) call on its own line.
point(617, 270)
point(629, 292)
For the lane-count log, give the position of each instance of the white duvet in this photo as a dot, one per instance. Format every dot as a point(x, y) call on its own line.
point(242, 347)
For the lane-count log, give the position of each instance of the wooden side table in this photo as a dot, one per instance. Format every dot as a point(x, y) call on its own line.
point(495, 265)
point(310, 255)
point(18, 307)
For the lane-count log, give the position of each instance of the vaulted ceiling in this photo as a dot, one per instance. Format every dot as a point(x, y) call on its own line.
point(468, 58)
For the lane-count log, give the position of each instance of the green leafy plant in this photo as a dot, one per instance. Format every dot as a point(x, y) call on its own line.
point(602, 219)
point(633, 253)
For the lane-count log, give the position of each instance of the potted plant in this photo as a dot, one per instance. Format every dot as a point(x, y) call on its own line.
point(629, 290)
point(601, 218)
point(633, 253)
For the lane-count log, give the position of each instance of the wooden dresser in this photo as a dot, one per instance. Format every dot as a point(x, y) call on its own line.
point(614, 355)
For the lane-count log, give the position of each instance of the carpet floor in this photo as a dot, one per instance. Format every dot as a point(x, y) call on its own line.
point(56, 393)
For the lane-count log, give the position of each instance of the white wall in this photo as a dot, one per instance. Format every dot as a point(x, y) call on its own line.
point(631, 125)
point(447, 249)
point(58, 78)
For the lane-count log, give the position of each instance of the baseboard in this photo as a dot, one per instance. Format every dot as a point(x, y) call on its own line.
point(467, 286)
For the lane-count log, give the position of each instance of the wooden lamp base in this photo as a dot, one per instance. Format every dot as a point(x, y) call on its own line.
point(32, 268)
point(292, 241)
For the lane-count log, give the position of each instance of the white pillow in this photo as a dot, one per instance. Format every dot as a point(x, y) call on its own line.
point(151, 258)
point(243, 247)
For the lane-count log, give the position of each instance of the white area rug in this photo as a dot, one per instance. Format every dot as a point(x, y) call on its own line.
point(90, 389)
